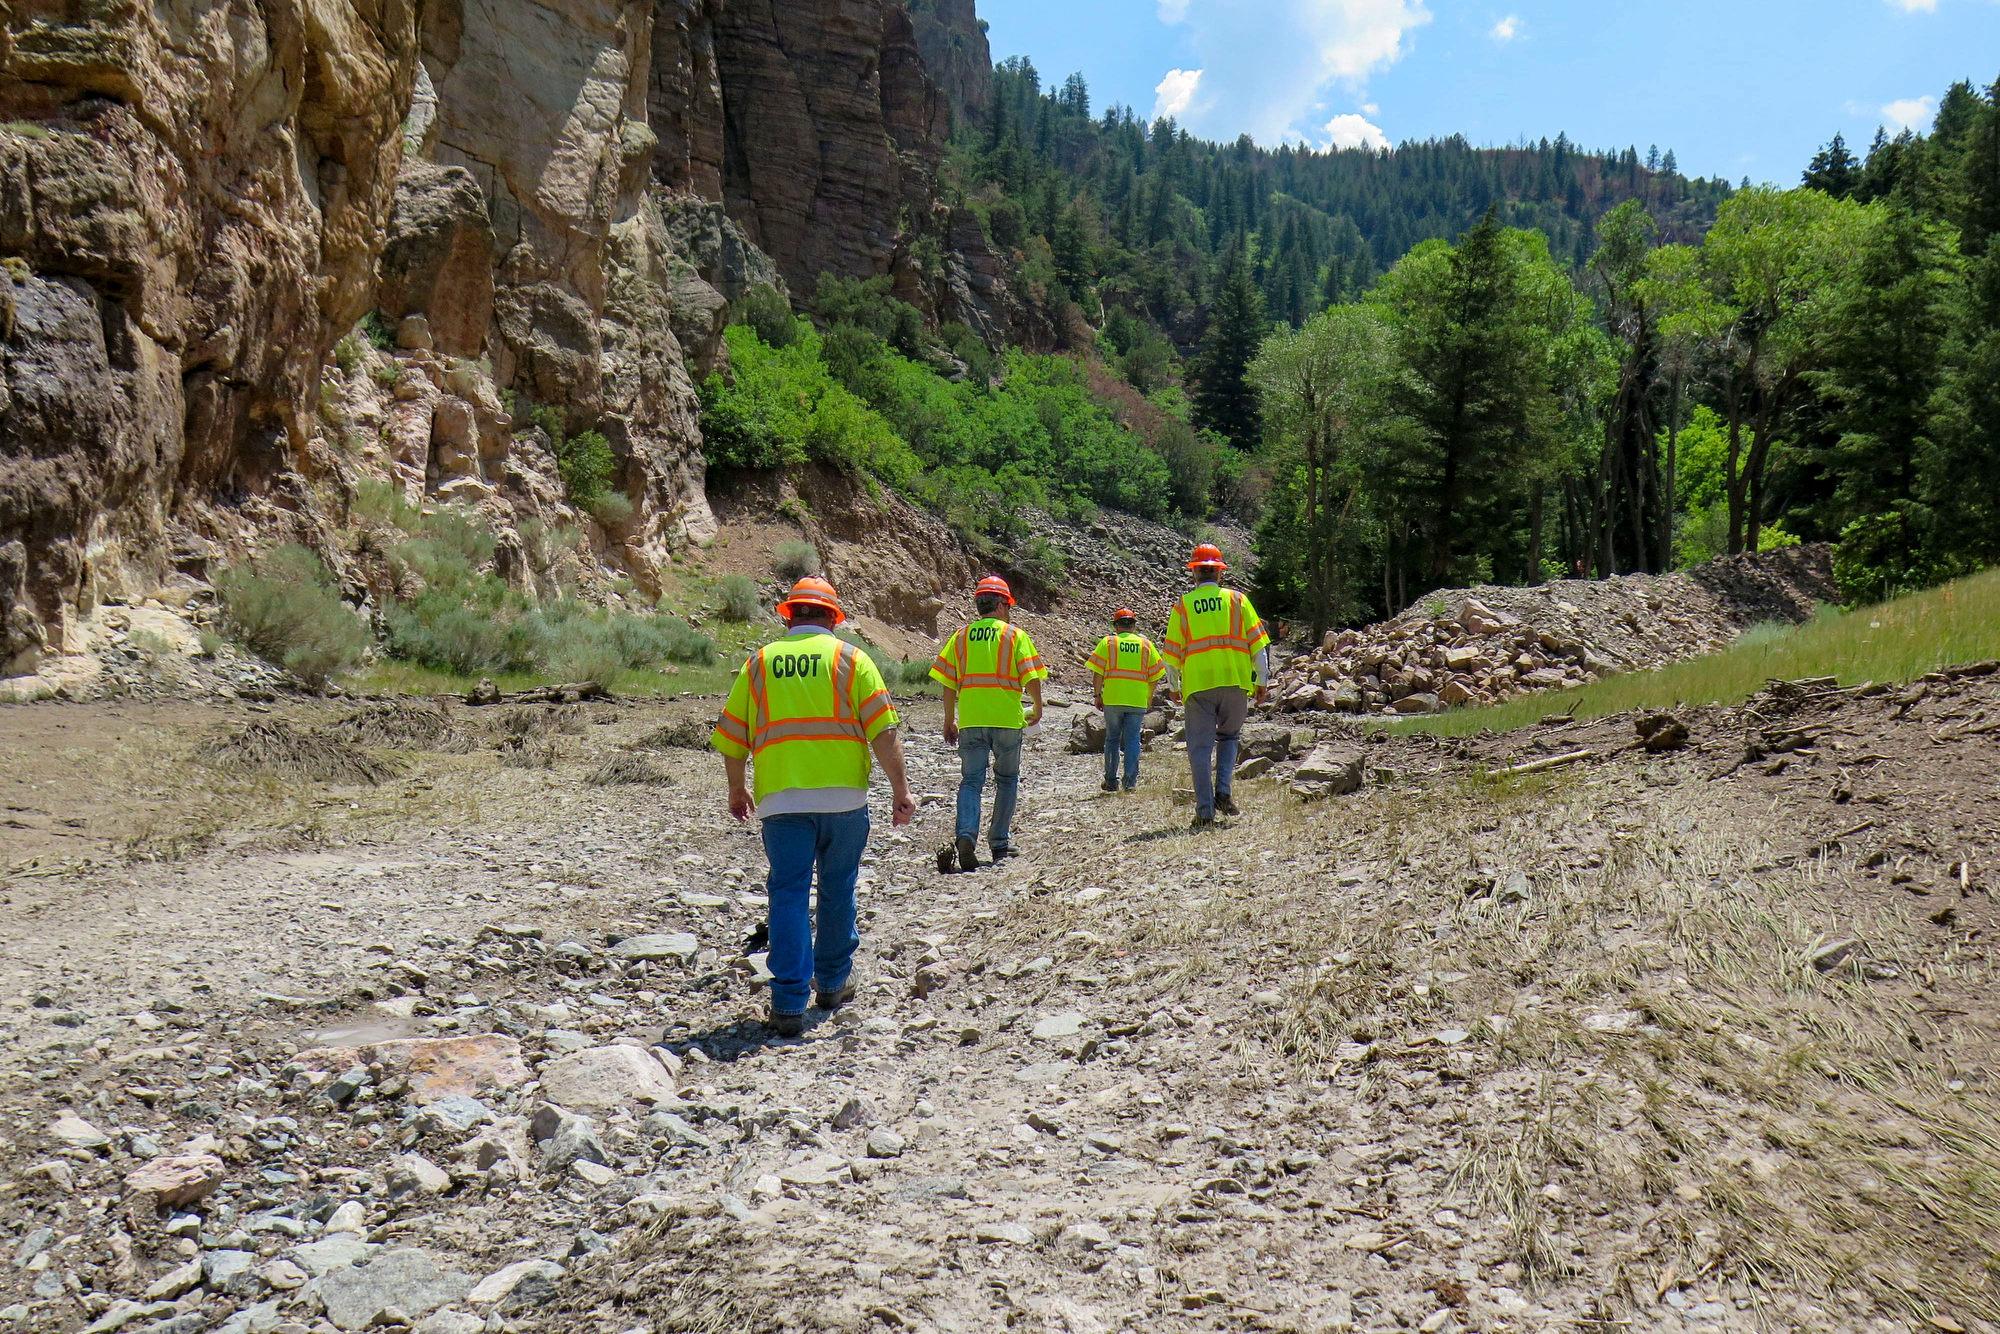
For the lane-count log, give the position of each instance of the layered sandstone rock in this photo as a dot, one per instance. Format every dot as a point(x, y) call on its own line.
point(556, 199)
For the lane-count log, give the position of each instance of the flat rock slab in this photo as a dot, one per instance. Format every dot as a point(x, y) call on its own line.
point(1059, 1026)
point(406, 1280)
point(603, 1078)
point(679, 945)
point(436, 1068)
point(329, 1253)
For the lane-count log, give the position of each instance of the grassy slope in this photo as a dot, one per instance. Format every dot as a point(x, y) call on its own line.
point(1895, 641)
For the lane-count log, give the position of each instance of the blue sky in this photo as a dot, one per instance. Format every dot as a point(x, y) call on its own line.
point(1736, 87)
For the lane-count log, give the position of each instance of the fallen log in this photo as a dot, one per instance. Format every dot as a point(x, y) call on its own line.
point(1544, 765)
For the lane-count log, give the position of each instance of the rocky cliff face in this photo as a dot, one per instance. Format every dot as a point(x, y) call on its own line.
point(550, 202)
point(953, 41)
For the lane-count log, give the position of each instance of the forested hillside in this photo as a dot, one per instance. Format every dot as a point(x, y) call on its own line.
point(1145, 214)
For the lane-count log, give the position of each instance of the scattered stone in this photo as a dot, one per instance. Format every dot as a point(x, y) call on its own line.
point(1010, 1234)
point(1829, 955)
point(455, 1113)
point(593, 1174)
point(414, 1174)
point(1661, 732)
point(821, 1170)
point(174, 1183)
point(406, 1280)
point(566, 1138)
point(175, 1282)
point(77, 1133)
point(678, 946)
point(330, 1253)
point(1059, 1026)
point(885, 1143)
point(520, 1282)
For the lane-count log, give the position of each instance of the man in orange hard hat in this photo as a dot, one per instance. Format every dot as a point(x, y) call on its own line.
point(1128, 669)
point(810, 708)
point(983, 669)
point(1221, 655)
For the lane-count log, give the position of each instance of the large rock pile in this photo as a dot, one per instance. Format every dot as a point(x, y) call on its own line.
point(1478, 646)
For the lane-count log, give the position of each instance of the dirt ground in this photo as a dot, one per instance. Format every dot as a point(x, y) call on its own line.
point(1700, 1040)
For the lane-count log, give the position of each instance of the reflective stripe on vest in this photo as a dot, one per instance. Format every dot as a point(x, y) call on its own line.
point(1236, 639)
point(840, 725)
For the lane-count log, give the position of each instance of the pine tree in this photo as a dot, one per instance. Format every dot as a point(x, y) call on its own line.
point(1223, 399)
point(1834, 170)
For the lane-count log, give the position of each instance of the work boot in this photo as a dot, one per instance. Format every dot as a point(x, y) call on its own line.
point(833, 1000)
point(1003, 854)
point(786, 1023)
point(968, 853)
point(1110, 785)
point(1225, 804)
point(1201, 821)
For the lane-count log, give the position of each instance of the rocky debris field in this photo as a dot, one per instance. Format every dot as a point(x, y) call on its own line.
point(1467, 647)
point(1697, 1039)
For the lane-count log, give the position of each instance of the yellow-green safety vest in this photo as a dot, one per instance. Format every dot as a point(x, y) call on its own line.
point(1130, 666)
point(803, 710)
point(1213, 640)
point(989, 663)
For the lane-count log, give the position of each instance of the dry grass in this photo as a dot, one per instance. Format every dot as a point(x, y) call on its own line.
point(1649, 1041)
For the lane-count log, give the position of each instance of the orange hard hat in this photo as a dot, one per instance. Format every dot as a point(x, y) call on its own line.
point(1124, 614)
point(813, 591)
point(997, 586)
point(1205, 555)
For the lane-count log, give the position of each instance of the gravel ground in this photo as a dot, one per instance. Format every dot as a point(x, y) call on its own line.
point(1687, 1041)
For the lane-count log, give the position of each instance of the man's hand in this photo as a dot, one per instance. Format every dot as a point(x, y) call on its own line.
point(1035, 714)
point(1263, 693)
point(951, 731)
point(905, 809)
point(741, 804)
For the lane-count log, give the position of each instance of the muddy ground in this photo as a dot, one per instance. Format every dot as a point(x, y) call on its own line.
point(1698, 1040)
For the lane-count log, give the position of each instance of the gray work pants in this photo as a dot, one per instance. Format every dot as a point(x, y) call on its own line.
point(1214, 727)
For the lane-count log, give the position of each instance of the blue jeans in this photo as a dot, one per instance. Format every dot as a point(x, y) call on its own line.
point(977, 747)
point(1214, 731)
point(795, 844)
point(1124, 734)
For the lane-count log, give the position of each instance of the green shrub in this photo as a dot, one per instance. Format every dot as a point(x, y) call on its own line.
point(738, 598)
point(385, 374)
point(587, 464)
point(765, 309)
point(870, 304)
point(794, 561)
point(285, 609)
point(348, 354)
point(458, 529)
point(376, 330)
point(547, 543)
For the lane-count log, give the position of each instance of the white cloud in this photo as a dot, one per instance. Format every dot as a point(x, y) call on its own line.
point(1507, 29)
point(1371, 109)
point(1176, 93)
point(1907, 6)
point(1911, 113)
point(1352, 131)
point(1271, 67)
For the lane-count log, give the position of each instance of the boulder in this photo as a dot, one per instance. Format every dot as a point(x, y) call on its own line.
point(1422, 702)
point(603, 1078)
point(1337, 769)
point(1086, 733)
point(1268, 741)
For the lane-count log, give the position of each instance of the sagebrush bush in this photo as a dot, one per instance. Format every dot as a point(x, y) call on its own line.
point(738, 600)
point(794, 561)
point(376, 329)
point(613, 511)
point(284, 608)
